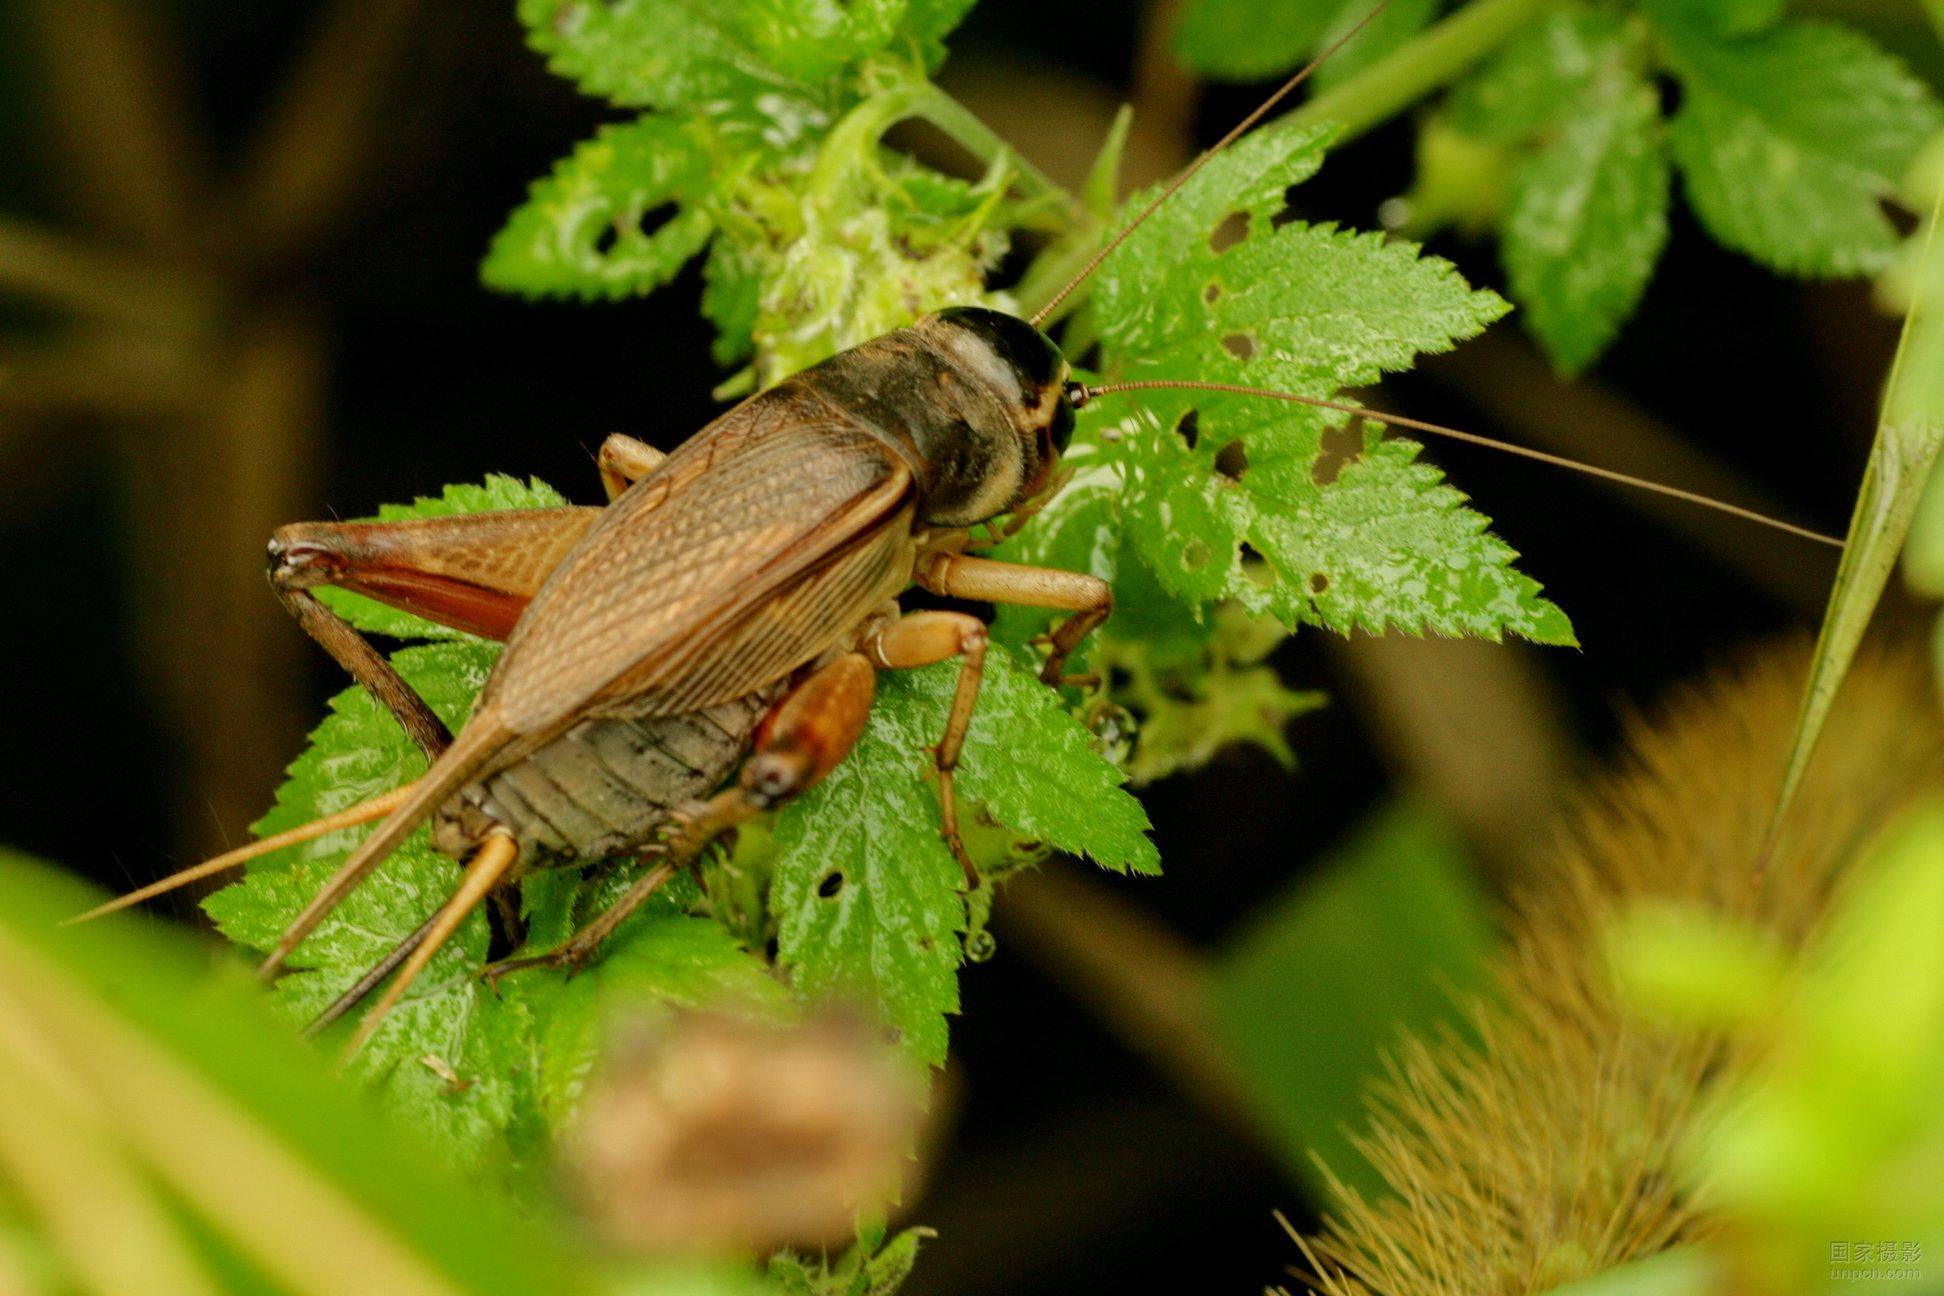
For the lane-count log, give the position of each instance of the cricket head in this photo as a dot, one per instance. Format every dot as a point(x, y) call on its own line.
point(987, 471)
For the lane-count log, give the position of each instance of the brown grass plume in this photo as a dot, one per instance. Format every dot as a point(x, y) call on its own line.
point(1541, 1149)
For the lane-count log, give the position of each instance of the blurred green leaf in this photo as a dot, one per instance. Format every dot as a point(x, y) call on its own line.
point(1324, 979)
point(1790, 140)
point(1680, 964)
point(1586, 217)
point(1832, 1130)
point(1684, 1271)
point(185, 1119)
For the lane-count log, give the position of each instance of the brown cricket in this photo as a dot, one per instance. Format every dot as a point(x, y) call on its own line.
point(723, 619)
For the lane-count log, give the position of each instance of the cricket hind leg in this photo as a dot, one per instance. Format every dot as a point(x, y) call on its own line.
point(488, 865)
point(1088, 598)
point(474, 572)
point(802, 739)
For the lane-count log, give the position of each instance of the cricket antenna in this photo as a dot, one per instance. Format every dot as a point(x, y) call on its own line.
point(1079, 394)
point(1208, 154)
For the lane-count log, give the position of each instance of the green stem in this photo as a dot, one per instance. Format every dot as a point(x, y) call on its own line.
point(964, 126)
point(1429, 62)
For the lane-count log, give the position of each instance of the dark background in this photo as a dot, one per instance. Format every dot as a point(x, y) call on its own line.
point(1074, 1167)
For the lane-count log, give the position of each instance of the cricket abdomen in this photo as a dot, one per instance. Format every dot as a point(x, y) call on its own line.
point(605, 787)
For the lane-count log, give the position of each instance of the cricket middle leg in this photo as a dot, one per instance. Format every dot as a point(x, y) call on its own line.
point(1090, 599)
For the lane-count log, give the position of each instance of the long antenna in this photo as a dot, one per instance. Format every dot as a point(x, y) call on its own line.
point(1208, 155)
point(1080, 393)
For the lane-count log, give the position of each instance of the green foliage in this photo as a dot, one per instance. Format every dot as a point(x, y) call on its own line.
point(1835, 1132)
point(866, 1269)
point(762, 146)
point(1790, 140)
point(1382, 543)
point(158, 1133)
point(869, 902)
point(1790, 136)
point(1381, 942)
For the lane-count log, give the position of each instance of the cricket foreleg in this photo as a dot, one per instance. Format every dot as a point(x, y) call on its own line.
point(800, 741)
point(1090, 599)
point(922, 639)
point(624, 461)
point(474, 572)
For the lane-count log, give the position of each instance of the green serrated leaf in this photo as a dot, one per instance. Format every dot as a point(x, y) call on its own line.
point(865, 1270)
point(1587, 219)
point(813, 39)
point(497, 492)
point(664, 54)
point(1299, 307)
point(589, 230)
point(1790, 140)
point(867, 897)
point(1306, 310)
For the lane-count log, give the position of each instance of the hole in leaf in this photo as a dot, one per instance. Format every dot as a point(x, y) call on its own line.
point(1318, 582)
point(1669, 91)
point(609, 235)
point(1194, 555)
point(771, 948)
point(831, 885)
point(1240, 345)
point(1233, 229)
point(1232, 460)
point(1212, 293)
point(1250, 554)
point(1189, 429)
point(1342, 446)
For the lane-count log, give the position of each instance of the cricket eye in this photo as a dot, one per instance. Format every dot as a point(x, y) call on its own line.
point(1061, 430)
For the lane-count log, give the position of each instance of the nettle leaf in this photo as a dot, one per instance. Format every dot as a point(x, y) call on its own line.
point(665, 54)
point(870, 903)
point(1587, 218)
point(1536, 80)
point(1249, 40)
point(1789, 141)
point(588, 230)
point(1215, 482)
point(498, 492)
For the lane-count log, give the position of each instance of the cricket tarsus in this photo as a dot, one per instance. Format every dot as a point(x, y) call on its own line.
point(1080, 393)
point(1207, 155)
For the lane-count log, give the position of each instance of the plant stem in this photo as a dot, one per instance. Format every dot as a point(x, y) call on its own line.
point(1428, 62)
point(965, 126)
